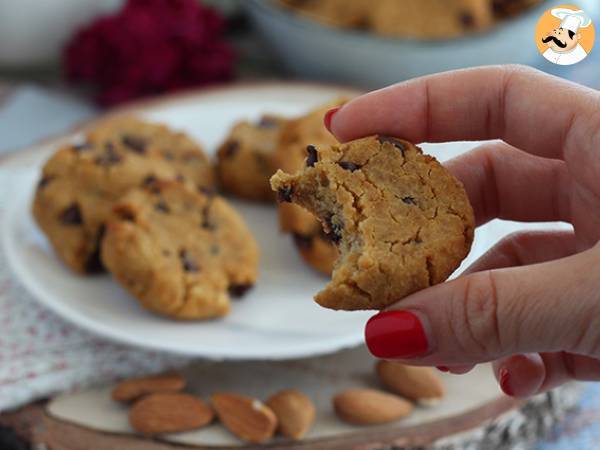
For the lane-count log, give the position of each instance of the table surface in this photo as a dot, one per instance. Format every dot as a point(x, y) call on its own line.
point(20, 101)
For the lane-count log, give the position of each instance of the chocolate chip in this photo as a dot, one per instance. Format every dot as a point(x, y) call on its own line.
point(44, 182)
point(267, 122)
point(135, 143)
point(313, 156)
point(109, 157)
point(399, 145)
point(72, 215)
point(162, 207)
point(188, 262)
point(180, 178)
point(409, 200)
point(231, 148)
point(82, 146)
point(334, 230)
point(284, 194)
point(237, 290)
point(347, 165)
point(467, 20)
point(125, 213)
point(303, 241)
point(149, 180)
point(205, 222)
point(207, 190)
point(94, 264)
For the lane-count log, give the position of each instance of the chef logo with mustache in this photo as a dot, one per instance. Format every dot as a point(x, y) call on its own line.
point(565, 35)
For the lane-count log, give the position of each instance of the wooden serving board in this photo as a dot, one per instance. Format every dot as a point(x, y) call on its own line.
point(474, 413)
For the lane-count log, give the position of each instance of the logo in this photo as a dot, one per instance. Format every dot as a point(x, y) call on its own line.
point(565, 35)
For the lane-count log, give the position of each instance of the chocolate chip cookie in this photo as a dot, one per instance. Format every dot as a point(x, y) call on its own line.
point(430, 19)
point(245, 160)
point(80, 183)
point(181, 253)
point(300, 137)
point(400, 220)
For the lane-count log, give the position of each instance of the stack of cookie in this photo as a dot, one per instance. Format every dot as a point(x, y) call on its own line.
point(252, 152)
point(423, 19)
point(138, 199)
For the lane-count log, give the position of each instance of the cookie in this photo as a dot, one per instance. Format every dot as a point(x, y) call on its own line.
point(341, 13)
point(245, 160)
point(80, 183)
point(503, 9)
point(400, 220)
point(157, 140)
point(429, 19)
point(181, 253)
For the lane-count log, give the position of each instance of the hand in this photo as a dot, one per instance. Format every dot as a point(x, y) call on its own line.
point(532, 303)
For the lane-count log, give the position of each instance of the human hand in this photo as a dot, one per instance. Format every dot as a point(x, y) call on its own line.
point(532, 303)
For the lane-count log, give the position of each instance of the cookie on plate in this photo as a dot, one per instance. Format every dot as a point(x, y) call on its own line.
point(400, 220)
point(80, 183)
point(301, 137)
point(181, 253)
point(342, 13)
point(245, 160)
point(430, 19)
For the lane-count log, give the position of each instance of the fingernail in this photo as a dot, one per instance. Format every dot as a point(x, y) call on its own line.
point(329, 115)
point(504, 378)
point(443, 368)
point(396, 334)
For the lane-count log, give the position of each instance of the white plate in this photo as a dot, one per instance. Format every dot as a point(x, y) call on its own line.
point(276, 320)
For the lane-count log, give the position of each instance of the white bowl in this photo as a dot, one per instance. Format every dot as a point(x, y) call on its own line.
point(310, 49)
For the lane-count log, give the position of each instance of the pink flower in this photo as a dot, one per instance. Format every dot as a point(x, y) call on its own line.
point(150, 47)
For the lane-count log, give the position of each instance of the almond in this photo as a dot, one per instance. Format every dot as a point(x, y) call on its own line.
point(295, 412)
point(370, 406)
point(169, 413)
point(134, 388)
point(246, 417)
point(415, 383)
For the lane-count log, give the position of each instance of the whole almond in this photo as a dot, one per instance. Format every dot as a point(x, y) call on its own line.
point(370, 406)
point(134, 388)
point(246, 417)
point(169, 413)
point(295, 412)
point(415, 383)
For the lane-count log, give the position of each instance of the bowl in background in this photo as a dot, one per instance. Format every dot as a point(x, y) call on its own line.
point(309, 49)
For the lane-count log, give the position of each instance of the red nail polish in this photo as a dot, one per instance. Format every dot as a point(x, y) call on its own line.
point(504, 377)
point(443, 368)
point(396, 334)
point(328, 116)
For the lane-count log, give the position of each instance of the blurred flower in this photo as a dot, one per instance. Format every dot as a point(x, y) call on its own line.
point(150, 47)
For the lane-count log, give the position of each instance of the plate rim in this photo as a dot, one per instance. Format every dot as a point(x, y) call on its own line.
point(12, 213)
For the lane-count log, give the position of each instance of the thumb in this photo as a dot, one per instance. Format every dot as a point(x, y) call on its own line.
point(553, 306)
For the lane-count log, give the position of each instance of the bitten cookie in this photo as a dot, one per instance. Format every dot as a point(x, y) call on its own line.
point(245, 160)
point(400, 220)
point(299, 136)
point(80, 183)
point(181, 253)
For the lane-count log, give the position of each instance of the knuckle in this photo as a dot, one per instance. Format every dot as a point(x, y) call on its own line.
point(475, 315)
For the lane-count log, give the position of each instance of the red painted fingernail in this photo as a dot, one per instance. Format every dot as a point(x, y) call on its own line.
point(443, 368)
point(396, 334)
point(504, 377)
point(329, 115)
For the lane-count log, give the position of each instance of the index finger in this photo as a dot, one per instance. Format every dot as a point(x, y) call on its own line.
point(535, 112)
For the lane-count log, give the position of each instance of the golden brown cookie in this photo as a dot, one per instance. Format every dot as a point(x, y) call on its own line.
point(181, 253)
point(80, 183)
point(341, 13)
point(400, 220)
point(245, 160)
point(429, 19)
